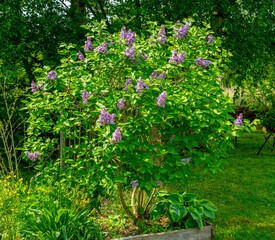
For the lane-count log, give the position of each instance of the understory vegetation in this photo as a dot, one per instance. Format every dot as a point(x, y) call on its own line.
point(242, 192)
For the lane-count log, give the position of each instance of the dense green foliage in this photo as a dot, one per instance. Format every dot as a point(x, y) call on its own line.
point(156, 139)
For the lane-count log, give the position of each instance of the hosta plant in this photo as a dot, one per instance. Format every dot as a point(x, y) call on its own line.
point(183, 209)
point(133, 111)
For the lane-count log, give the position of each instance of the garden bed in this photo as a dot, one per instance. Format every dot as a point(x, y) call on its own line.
point(208, 232)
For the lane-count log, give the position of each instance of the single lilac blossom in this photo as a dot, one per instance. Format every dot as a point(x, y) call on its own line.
point(210, 38)
point(221, 77)
point(128, 81)
point(139, 86)
point(154, 74)
point(177, 59)
point(152, 41)
point(202, 63)
point(35, 88)
point(123, 32)
point(144, 56)
point(162, 75)
point(116, 136)
point(80, 56)
point(159, 183)
point(33, 156)
point(130, 53)
point(85, 96)
point(111, 43)
point(129, 36)
point(89, 45)
point(184, 160)
point(239, 120)
point(177, 22)
point(161, 99)
point(52, 75)
point(102, 48)
point(120, 104)
point(105, 117)
point(163, 37)
point(181, 32)
point(134, 183)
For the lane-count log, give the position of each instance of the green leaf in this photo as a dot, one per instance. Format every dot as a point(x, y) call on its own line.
point(208, 213)
point(64, 232)
point(177, 212)
point(207, 204)
point(196, 216)
point(190, 223)
point(175, 198)
point(155, 214)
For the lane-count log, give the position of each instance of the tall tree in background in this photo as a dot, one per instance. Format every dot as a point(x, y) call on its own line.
point(246, 26)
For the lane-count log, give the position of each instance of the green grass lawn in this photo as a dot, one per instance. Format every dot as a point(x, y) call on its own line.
point(243, 192)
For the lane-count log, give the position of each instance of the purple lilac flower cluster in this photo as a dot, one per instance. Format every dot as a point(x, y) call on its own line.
point(140, 85)
point(152, 41)
point(154, 75)
point(239, 120)
point(159, 183)
point(116, 136)
point(130, 53)
point(163, 38)
point(177, 59)
point(129, 36)
point(120, 104)
point(202, 63)
point(89, 45)
point(52, 75)
point(35, 88)
point(221, 77)
point(210, 38)
point(81, 56)
point(128, 81)
point(102, 48)
point(33, 156)
point(184, 160)
point(134, 183)
point(181, 32)
point(85, 96)
point(144, 56)
point(105, 117)
point(161, 99)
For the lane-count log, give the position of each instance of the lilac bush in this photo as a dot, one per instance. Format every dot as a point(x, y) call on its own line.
point(166, 115)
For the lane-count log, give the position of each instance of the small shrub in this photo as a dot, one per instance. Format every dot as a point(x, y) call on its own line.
point(183, 209)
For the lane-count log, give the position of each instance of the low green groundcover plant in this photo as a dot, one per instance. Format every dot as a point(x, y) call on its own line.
point(133, 111)
point(183, 209)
